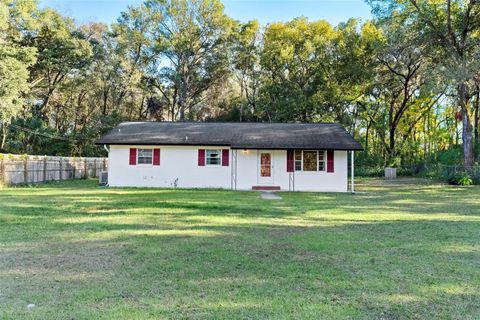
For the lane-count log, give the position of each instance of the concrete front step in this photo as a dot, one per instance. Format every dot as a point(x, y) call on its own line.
point(266, 188)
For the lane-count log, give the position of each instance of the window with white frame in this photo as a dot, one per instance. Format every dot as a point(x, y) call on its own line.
point(322, 159)
point(213, 157)
point(310, 160)
point(298, 160)
point(145, 156)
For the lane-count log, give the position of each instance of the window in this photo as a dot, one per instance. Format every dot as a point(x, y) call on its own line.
point(321, 160)
point(298, 160)
point(145, 156)
point(310, 160)
point(213, 157)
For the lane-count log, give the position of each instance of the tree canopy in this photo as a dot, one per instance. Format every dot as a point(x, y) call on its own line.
point(405, 84)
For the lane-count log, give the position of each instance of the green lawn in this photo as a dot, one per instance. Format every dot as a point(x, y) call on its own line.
point(407, 250)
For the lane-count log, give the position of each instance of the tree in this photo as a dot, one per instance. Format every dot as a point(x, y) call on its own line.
point(14, 63)
point(133, 49)
point(64, 84)
point(246, 66)
point(401, 77)
point(62, 50)
point(189, 46)
point(450, 28)
point(354, 52)
point(296, 66)
point(314, 72)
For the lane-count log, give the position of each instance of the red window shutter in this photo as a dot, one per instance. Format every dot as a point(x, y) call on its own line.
point(289, 160)
point(330, 161)
point(133, 156)
point(156, 157)
point(201, 157)
point(225, 158)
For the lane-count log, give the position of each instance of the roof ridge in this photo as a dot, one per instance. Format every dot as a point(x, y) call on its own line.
point(231, 122)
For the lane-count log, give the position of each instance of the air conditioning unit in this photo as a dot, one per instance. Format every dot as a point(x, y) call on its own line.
point(103, 178)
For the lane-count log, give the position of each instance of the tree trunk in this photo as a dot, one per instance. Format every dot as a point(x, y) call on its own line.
point(467, 133)
point(105, 99)
point(140, 108)
point(391, 131)
point(476, 117)
point(4, 136)
point(366, 139)
point(391, 145)
point(182, 114)
point(242, 81)
point(181, 105)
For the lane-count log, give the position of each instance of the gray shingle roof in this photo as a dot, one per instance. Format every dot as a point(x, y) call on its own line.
point(237, 135)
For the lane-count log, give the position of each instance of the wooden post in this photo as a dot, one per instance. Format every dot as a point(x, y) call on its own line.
point(353, 171)
point(60, 168)
point(25, 170)
point(2, 171)
point(95, 168)
point(104, 164)
point(74, 169)
point(44, 169)
point(85, 168)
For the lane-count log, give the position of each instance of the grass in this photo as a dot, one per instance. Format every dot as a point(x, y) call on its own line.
point(403, 250)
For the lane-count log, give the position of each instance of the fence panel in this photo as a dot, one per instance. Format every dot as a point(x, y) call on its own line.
point(15, 169)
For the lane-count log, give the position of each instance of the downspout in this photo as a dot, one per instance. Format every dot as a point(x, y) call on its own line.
point(353, 171)
point(236, 169)
point(232, 168)
point(294, 170)
point(108, 156)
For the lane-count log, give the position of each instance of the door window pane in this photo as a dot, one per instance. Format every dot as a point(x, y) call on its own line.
point(265, 165)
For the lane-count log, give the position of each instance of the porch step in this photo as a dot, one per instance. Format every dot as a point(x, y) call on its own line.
point(266, 188)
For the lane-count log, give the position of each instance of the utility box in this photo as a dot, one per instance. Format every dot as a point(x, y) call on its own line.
point(390, 173)
point(103, 178)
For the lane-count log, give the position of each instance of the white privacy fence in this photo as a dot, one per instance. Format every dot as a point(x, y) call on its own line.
point(17, 169)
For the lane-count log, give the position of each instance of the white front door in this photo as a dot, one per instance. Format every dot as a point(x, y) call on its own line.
point(265, 167)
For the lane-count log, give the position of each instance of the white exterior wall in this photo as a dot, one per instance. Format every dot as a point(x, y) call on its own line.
point(248, 169)
point(323, 181)
point(179, 168)
point(248, 173)
point(178, 165)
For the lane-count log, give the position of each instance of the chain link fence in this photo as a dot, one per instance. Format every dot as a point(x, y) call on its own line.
point(432, 171)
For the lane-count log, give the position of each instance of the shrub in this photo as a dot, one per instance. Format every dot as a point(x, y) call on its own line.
point(452, 179)
point(451, 156)
point(363, 171)
point(460, 179)
point(465, 181)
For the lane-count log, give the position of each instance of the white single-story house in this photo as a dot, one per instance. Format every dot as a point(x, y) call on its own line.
point(238, 156)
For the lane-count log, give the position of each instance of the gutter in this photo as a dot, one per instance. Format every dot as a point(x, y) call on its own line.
point(235, 147)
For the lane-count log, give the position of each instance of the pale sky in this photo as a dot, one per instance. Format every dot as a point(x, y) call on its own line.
point(265, 11)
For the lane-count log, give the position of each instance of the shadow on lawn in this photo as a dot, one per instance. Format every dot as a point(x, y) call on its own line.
point(380, 269)
point(326, 207)
point(231, 254)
